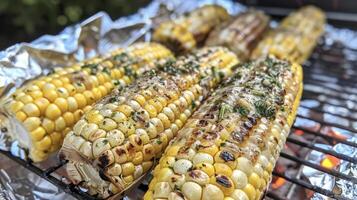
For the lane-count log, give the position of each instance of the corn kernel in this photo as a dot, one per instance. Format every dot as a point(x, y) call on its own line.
point(21, 116)
point(72, 104)
point(44, 144)
point(125, 109)
point(81, 100)
point(50, 95)
point(250, 191)
point(32, 123)
point(38, 134)
point(62, 104)
point(53, 112)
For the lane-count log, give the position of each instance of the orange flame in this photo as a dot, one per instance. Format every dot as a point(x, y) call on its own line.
point(278, 183)
point(330, 162)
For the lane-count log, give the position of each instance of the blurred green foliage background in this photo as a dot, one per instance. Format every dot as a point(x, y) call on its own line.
point(25, 20)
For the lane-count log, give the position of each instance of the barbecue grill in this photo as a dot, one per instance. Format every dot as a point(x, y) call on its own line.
point(327, 117)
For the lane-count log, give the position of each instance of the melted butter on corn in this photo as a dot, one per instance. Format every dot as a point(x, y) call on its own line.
point(44, 110)
point(229, 146)
point(118, 141)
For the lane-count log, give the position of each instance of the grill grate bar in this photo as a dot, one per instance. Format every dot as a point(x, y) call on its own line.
point(327, 112)
point(339, 140)
point(312, 146)
point(328, 123)
point(310, 96)
point(320, 168)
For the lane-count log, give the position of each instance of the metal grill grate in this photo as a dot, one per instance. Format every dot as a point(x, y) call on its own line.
point(330, 79)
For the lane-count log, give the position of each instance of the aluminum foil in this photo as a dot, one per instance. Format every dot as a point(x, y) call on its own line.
point(94, 36)
point(339, 186)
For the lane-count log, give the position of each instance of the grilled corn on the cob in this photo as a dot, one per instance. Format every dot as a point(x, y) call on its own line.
point(295, 37)
point(228, 148)
point(43, 111)
point(186, 32)
point(117, 142)
point(308, 20)
point(284, 44)
point(241, 34)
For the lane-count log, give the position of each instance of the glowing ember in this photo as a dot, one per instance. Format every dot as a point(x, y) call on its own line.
point(299, 132)
point(278, 183)
point(330, 162)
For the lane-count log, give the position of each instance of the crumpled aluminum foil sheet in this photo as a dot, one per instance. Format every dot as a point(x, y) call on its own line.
point(341, 187)
point(96, 35)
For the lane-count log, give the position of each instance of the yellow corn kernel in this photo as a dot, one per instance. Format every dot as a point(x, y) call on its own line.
point(125, 109)
point(81, 100)
point(56, 138)
point(31, 110)
point(89, 97)
point(25, 99)
point(222, 168)
point(21, 116)
point(60, 124)
point(16, 106)
point(68, 118)
point(53, 112)
point(128, 169)
point(250, 191)
point(32, 123)
point(38, 134)
point(50, 95)
point(62, 104)
point(207, 168)
point(72, 104)
point(151, 110)
point(43, 144)
point(42, 104)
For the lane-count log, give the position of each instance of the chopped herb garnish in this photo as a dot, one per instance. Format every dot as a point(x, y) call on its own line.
point(241, 110)
point(264, 109)
point(224, 109)
point(193, 105)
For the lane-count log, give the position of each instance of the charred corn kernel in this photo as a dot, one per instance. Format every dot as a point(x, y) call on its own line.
point(236, 149)
point(144, 121)
point(60, 99)
point(234, 35)
point(184, 33)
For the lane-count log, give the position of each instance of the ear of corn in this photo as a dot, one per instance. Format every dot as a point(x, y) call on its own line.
point(118, 141)
point(241, 34)
point(284, 44)
point(295, 37)
point(308, 20)
point(43, 111)
point(228, 148)
point(186, 32)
